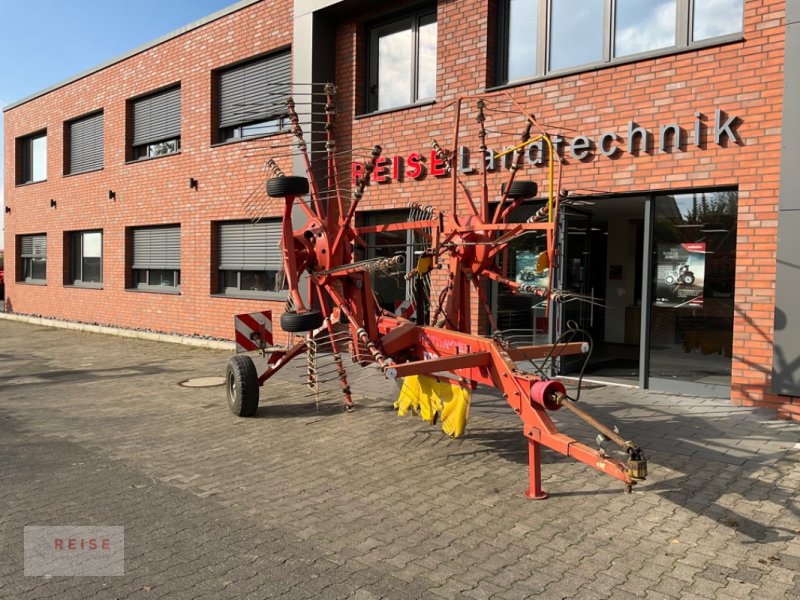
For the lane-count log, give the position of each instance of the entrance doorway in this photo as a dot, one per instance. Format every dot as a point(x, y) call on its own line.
point(601, 262)
point(655, 274)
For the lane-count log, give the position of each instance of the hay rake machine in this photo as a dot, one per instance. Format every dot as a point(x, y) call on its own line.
point(441, 362)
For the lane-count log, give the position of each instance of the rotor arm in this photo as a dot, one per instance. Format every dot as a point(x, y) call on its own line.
point(502, 211)
point(358, 193)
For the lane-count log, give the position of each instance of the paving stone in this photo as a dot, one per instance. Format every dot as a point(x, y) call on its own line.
point(305, 501)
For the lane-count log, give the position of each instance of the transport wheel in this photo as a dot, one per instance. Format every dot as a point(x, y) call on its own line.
point(688, 278)
point(280, 187)
point(669, 279)
point(298, 322)
point(241, 384)
point(522, 189)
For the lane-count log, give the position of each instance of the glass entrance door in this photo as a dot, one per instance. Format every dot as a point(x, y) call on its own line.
point(692, 282)
point(661, 271)
point(600, 262)
point(574, 276)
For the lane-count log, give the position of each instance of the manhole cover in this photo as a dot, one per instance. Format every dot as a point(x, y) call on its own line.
point(203, 382)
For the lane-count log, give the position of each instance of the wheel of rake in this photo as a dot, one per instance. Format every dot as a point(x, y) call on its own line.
point(280, 187)
point(241, 384)
point(293, 322)
point(522, 190)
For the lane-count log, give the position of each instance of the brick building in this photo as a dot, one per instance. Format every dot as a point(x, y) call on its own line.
point(130, 188)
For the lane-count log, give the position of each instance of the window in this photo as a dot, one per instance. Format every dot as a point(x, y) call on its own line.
point(402, 62)
point(644, 25)
point(252, 97)
point(156, 123)
point(391, 291)
point(33, 255)
point(86, 258)
point(32, 158)
point(537, 37)
point(249, 258)
point(157, 258)
point(84, 144)
point(713, 19)
point(520, 25)
point(693, 282)
point(576, 33)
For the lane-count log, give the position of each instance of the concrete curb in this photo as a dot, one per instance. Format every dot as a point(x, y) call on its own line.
point(119, 331)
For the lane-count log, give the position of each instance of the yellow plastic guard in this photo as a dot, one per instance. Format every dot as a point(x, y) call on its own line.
point(409, 397)
point(424, 264)
point(542, 262)
point(455, 410)
point(429, 398)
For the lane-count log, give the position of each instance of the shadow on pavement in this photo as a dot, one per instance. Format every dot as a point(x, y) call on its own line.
point(47, 378)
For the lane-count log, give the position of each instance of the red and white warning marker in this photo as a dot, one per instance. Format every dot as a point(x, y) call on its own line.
point(253, 330)
point(405, 308)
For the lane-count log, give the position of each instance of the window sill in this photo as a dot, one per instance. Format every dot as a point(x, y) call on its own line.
point(387, 111)
point(155, 290)
point(82, 172)
point(617, 62)
point(149, 158)
point(248, 139)
point(84, 286)
point(270, 296)
point(27, 183)
point(32, 282)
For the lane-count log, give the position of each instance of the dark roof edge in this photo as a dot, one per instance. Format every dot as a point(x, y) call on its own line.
point(164, 38)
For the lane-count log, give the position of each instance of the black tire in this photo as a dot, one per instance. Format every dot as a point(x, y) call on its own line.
point(241, 386)
point(280, 187)
point(669, 279)
point(688, 278)
point(298, 322)
point(523, 190)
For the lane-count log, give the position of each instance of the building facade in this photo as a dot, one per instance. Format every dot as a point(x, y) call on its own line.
point(135, 192)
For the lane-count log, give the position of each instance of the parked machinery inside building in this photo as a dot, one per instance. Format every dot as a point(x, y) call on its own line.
point(438, 358)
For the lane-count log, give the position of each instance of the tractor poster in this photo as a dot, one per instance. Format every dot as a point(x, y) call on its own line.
point(527, 271)
point(680, 275)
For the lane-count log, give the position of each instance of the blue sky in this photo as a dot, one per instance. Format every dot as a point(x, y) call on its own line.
point(43, 42)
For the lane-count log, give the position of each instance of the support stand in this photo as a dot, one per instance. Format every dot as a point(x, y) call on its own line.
point(535, 491)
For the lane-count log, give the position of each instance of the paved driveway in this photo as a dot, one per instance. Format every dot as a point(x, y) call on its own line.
point(309, 502)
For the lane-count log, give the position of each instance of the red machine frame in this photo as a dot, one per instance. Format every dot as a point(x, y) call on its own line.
point(342, 289)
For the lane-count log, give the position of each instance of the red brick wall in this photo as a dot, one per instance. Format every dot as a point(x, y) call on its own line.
point(150, 192)
point(743, 78)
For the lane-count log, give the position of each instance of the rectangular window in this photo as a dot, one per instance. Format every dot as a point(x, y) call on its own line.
point(250, 258)
point(391, 291)
point(156, 122)
point(84, 144)
point(519, 20)
point(32, 158)
point(157, 258)
point(576, 33)
point(252, 97)
point(537, 37)
point(33, 255)
point(86, 258)
point(644, 25)
point(714, 19)
point(402, 61)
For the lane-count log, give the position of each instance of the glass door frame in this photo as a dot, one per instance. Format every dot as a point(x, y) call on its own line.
point(646, 382)
point(561, 313)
